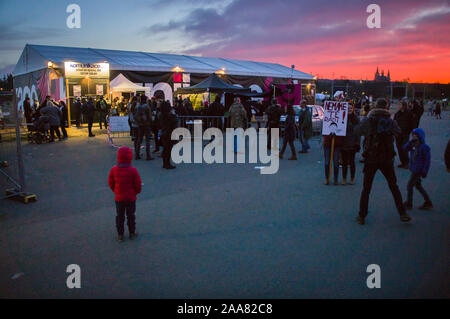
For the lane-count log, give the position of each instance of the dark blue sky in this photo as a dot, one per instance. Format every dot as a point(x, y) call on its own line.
point(320, 37)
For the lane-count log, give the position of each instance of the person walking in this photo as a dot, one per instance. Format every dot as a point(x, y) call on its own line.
point(274, 113)
point(124, 180)
point(406, 122)
point(379, 131)
point(419, 153)
point(350, 146)
point(54, 117)
point(89, 112)
point(305, 127)
point(143, 118)
point(289, 134)
point(238, 119)
point(168, 124)
point(438, 110)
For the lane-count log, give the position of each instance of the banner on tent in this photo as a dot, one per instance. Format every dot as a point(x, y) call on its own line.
point(335, 118)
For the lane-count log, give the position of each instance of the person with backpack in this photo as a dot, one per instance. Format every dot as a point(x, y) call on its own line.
point(103, 110)
point(378, 152)
point(143, 119)
point(419, 164)
point(274, 113)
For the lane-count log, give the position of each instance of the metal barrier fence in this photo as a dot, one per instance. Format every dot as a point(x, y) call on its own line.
point(12, 171)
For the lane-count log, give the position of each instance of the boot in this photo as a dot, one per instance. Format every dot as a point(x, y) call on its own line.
point(426, 205)
point(360, 220)
point(120, 238)
point(352, 181)
point(344, 181)
point(133, 235)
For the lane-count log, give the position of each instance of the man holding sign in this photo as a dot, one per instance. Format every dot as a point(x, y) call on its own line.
point(333, 131)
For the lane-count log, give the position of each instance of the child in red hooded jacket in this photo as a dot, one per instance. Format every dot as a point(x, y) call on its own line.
point(125, 182)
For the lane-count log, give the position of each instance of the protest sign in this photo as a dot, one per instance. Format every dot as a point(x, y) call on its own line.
point(335, 118)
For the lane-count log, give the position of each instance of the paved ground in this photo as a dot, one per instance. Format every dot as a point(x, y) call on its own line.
point(221, 231)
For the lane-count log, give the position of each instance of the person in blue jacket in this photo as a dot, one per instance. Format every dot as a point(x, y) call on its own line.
point(419, 164)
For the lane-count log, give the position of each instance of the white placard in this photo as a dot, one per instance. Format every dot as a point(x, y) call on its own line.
point(119, 124)
point(81, 70)
point(99, 89)
point(77, 90)
point(335, 118)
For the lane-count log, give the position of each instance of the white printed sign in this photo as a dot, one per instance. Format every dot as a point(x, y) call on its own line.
point(335, 118)
point(119, 124)
point(77, 90)
point(92, 70)
point(99, 89)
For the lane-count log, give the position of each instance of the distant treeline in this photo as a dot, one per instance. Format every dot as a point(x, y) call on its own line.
point(355, 88)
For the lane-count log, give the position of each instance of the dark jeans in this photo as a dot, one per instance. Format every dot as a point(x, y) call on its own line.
point(142, 131)
point(291, 145)
point(348, 159)
point(128, 208)
point(167, 150)
point(387, 169)
point(54, 129)
point(63, 130)
point(157, 141)
point(416, 181)
point(402, 154)
point(304, 141)
point(90, 122)
point(102, 118)
point(327, 155)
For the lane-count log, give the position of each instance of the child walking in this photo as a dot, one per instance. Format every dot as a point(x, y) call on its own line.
point(419, 164)
point(125, 182)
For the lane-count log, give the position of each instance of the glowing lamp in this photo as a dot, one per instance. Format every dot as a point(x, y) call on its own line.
point(177, 69)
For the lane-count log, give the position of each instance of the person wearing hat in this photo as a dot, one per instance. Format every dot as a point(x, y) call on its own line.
point(378, 152)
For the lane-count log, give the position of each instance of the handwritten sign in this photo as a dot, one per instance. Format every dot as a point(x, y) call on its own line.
point(119, 124)
point(335, 118)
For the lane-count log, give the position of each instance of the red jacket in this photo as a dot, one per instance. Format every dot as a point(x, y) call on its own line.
point(124, 179)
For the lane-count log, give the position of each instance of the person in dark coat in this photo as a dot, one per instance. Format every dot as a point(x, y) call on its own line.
point(378, 152)
point(274, 113)
point(89, 112)
point(28, 111)
point(419, 165)
point(305, 126)
point(289, 133)
point(417, 109)
point(350, 147)
point(447, 156)
point(154, 107)
point(54, 116)
point(438, 110)
point(103, 110)
point(64, 118)
point(168, 124)
point(77, 112)
point(124, 180)
point(216, 109)
point(406, 121)
point(144, 127)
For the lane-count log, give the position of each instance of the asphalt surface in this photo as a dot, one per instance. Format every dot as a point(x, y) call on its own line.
point(221, 230)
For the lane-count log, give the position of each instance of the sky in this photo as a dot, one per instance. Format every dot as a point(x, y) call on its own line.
point(329, 39)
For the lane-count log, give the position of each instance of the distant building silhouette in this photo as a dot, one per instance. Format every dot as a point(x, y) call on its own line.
point(381, 77)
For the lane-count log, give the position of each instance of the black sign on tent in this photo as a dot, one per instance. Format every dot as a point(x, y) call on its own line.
point(212, 84)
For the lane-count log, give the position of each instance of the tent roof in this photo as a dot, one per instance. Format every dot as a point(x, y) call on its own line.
point(212, 84)
point(122, 84)
point(35, 57)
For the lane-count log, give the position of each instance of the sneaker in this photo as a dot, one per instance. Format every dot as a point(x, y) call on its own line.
point(407, 205)
point(120, 238)
point(405, 218)
point(426, 205)
point(133, 235)
point(360, 220)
